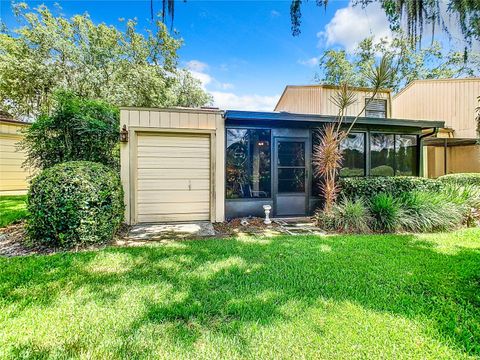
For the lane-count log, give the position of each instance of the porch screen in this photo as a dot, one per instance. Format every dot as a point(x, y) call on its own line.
point(393, 154)
point(248, 158)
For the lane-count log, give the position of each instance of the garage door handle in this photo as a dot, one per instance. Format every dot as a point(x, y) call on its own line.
point(190, 185)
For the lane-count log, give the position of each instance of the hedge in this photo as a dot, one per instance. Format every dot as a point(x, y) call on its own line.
point(461, 179)
point(368, 187)
point(74, 203)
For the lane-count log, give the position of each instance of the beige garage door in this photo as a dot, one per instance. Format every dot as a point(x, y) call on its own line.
point(173, 177)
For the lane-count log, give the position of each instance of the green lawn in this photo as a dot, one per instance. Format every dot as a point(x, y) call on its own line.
point(398, 297)
point(12, 208)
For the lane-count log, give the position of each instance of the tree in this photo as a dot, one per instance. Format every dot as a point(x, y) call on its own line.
point(327, 156)
point(416, 15)
point(76, 129)
point(124, 68)
point(410, 63)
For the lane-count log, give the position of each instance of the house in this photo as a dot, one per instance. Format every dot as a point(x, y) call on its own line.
point(207, 164)
point(13, 177)
point(454, 149)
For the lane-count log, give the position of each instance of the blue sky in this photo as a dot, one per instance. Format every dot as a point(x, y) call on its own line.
point(243, 51)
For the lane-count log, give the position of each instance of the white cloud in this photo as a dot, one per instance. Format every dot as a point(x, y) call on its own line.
point(274, 14)
point(196, 65)
point(228, 100)
point(352, 24)
point(310, 62)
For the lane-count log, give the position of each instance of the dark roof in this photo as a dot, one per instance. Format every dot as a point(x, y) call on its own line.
point(238, 115)
point(434, 141)
point(6, 117)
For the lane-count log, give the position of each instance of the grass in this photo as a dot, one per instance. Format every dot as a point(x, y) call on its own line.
point(12, 209)
point(375, 296)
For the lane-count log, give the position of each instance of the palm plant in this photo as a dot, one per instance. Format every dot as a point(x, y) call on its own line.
point(327, 155)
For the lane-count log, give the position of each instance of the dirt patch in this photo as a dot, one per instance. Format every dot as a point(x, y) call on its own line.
point(13, 242)
point(248, 226)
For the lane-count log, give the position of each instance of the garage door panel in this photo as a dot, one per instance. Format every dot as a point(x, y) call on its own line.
point(172, 163)
point(155, 218)
point(167, 196)
point(173, 141)
point(173, 208)
point(171, 151)
point(175, 184)
point(173, 177)
point(185, 174)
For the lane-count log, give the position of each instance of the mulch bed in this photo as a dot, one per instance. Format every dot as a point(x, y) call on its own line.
point(13, 242)
point(250, 225)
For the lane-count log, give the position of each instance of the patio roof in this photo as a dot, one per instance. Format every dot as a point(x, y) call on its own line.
point(236, 116)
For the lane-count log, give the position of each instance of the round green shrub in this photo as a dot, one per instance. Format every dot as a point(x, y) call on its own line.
point(74, 203)
point(461, 179)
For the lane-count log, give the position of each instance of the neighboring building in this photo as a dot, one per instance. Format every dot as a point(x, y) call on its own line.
point(455, 148)
point(317, 99)
point(197, 164)
point(13, 178)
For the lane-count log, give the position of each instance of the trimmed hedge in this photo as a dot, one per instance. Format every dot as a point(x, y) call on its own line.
point(74, 203)
point(461, 179)
point(369, 187)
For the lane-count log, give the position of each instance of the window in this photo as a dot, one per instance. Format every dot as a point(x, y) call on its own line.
point(248, 164)
point(393, 155)
point(353, 148)
point(406, 155)
point(376, 108)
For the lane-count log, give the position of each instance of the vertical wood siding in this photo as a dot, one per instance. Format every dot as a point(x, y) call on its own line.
point(451, 100)
point(317, 99)
point(13, 178)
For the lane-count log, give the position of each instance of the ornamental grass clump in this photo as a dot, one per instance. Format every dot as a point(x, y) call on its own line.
point(428, 211)
point(386, 213)
point(351, 216)
point(74, 203)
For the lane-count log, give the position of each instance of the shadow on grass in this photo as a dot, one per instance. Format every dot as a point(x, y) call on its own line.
point(222, 285)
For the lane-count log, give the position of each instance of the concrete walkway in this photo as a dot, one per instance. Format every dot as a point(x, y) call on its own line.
point(173, 231)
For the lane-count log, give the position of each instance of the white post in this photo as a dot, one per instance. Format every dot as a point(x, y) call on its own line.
point(267, 209)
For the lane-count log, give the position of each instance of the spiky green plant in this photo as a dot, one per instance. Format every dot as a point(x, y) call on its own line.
point(386, 213)
point(351, 216)
point(327, 155)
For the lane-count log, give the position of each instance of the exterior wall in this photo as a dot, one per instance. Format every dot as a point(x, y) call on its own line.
point(451, 100)
point(13, 178)
point(316, 99)
point(183, 121)
point(460, 159)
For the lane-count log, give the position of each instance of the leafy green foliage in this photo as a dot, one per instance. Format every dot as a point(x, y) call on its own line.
point(461, 179)
point(124, 68)
point(394, 185)
point(411, 63)
point(416, 15)
point(74, 203)
point(386, 213)
point(12, 209)
point(77, 129)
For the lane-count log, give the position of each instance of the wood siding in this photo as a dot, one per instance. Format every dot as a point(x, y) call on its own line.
point(451, 100)
point(13, 177)
point(317, 99)
point(168, 152)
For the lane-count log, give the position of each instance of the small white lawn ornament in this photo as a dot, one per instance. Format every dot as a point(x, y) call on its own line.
point(267, 209)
